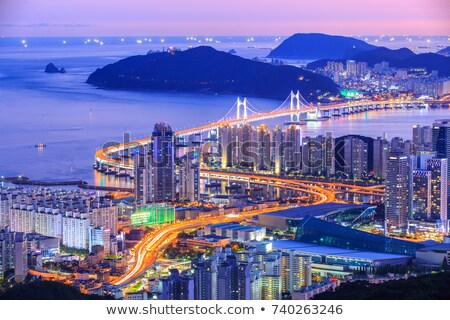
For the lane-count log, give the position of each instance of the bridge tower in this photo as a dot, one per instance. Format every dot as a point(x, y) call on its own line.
point(295, 105)
point(241, 104)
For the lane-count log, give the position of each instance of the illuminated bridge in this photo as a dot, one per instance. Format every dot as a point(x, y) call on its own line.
point(295, 107)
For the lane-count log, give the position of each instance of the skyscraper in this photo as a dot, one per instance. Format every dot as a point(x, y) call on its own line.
point(380, 156)
point(264, 148)
point(176, 287)
point(329, 154)
point(296, 271)
point(233, 280)
point(293, 146)
point(422, 137)
point(272, 283)
point(355, 157)
point(228, 145)
point(351, 68)
point(163, 161)
point(314, 155)
point(13, 254)
point(154, 167)
point(441, 143)
point(246, 146)
point(278, 150)
point(143, 176)
point(189, 178)
point(205, 278)
point(399, 195)
point(441, 138)
point(421, 194)
point(438, 169)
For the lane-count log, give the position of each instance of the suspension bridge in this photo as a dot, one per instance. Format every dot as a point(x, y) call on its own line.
point(294, 107)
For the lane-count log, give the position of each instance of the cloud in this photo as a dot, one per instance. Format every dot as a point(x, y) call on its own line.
point(44, 25)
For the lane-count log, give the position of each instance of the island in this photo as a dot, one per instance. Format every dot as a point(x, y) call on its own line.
point(51, 68)
point(205, 69)
point(313, 46)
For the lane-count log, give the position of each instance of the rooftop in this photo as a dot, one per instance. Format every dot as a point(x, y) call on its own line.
point(317, 210)
point(332, 251)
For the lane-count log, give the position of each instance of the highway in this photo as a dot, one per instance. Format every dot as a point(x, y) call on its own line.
point(146, 251)
point(310, 186)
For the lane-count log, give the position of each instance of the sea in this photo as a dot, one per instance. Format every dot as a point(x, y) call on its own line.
point(74, 119)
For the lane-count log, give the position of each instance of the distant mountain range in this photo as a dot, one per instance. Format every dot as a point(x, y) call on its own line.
point(204, 69)
point(444, 52)
point(319, 46)
point(337, 48)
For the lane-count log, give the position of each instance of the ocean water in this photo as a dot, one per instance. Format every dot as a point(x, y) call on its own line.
point(74, 119)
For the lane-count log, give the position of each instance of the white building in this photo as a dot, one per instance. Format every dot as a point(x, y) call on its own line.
point(100, 237)
point(48, 222)
point(76, 230)
point(23, 218)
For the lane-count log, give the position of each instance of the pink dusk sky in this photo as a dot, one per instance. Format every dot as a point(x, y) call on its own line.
point(222, 17)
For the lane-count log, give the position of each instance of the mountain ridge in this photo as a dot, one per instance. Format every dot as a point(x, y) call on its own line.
point(205, 69)
point(319, 46)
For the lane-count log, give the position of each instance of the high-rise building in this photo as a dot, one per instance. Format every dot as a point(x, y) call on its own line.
point(176, 287)
point(439, 184)
point(246, 146)
point(421, 194)
point(233, 280)
point(103, 214)
point(6, 202)
point(293, 147)
point(126, 139)
point(441, 144)
point(422, 137)
point(154, 167)
point(361, 69)
point(226, 145)
point(271, 287)
point(205, 278)
point(256, 284)
point(278, 163)
point(189, 178)
point(49, 222)
point(314, 156)
point(441, 138)
point(422, 157)
point(380, 156)
point(351, 68)
point(295, 271)
point(76, 230)
point(23, 217)
point(264, 148)
point(300, 271)
point(100, 236)
point(13, 254)
point(330, 168)
point(399, 195)
point(272, 280)
point(143, 176)
point(163, 162)
point(355, 157)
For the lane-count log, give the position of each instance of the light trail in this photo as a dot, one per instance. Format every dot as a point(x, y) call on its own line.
point(146, 251)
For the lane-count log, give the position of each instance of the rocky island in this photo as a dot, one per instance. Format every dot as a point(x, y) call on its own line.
point(51, 68)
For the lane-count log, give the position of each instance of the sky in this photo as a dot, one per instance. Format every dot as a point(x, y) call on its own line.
point(222, 17)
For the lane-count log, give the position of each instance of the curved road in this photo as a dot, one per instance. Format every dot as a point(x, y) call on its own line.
point(146, 251)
